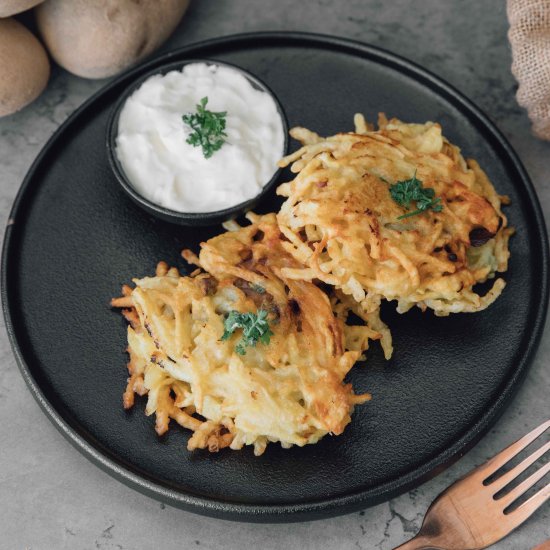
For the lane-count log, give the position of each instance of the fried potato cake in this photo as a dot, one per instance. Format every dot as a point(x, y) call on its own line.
point(350, 218)
point(257, 254)
point(195, 369)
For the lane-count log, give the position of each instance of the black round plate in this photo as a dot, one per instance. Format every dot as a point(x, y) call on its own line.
point(74, 237)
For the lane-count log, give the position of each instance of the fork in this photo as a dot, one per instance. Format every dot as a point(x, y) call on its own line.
point(473, 513)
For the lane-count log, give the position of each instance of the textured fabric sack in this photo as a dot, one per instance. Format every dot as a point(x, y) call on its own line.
point(530, 40)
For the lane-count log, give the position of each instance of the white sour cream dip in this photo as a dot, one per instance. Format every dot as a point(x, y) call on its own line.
point(152, 149)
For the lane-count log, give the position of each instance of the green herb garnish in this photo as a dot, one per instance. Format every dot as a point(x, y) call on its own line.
point(257, 288)
point(254, 325)
point(406, 191)
point(209, 128)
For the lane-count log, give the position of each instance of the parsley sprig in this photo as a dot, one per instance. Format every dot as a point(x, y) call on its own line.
point(208, 128)
point(255, 328)
point(406, 191)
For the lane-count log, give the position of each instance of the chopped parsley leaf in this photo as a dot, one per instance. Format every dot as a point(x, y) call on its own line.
point(208, 128)
point(255, 329)
point(407, 191)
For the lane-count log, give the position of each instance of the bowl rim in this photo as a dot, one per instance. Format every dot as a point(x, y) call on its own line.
point(167, 213)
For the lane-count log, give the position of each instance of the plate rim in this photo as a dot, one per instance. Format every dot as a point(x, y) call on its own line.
point(342, 504)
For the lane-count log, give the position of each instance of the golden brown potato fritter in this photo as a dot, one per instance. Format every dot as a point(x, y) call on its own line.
point(345, 226)
point(288, 389)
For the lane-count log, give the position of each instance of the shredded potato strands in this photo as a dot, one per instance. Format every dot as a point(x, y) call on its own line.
point(291, 391)
point(342, 224)
point(338, 226)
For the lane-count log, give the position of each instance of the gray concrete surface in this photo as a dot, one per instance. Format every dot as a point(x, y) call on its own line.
point(52, 498)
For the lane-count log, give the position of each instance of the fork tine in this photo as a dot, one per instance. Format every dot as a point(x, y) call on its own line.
point(499, 460)
point(526, 484)
point(504, 480)
point(520, 514)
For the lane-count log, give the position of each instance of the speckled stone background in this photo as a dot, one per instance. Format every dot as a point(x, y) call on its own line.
point(52, 498)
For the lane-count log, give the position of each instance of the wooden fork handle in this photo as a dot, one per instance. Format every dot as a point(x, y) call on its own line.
point(419, 543)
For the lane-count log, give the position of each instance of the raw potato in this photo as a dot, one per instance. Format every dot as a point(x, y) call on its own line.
point(99, 38)
point(24, 66)
point(11, 7)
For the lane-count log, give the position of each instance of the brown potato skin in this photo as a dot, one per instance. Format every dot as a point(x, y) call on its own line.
point(24, 67)
point(11, 7)
point(100, 38)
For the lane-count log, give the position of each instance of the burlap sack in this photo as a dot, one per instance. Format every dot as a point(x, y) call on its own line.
point(530, 39)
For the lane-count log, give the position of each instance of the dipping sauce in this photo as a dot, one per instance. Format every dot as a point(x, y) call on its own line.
point(152, 146)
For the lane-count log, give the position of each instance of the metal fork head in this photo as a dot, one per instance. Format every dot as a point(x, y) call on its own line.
point(472, 513)
point(518, 515)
